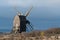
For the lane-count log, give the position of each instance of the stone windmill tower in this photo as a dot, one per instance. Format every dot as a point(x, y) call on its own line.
point(20, 21)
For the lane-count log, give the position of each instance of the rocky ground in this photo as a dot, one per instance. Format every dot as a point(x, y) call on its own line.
point(50, 34)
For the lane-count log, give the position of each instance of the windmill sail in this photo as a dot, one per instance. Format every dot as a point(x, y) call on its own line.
point(17, 11)
point(27, 13)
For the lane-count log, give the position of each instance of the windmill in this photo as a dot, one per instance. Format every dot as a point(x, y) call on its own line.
point(20, 22)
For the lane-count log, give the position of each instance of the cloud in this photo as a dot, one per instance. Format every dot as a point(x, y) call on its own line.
point(25, 3)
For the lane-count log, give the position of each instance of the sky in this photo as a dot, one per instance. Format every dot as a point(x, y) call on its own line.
point(25, 3)
point(45, 13)
point(40, 5)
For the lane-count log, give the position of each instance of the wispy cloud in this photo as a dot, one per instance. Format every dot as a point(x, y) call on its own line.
point(24, 3)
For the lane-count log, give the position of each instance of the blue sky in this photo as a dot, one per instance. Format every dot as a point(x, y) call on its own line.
point(52, 6)
point(45, 13)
